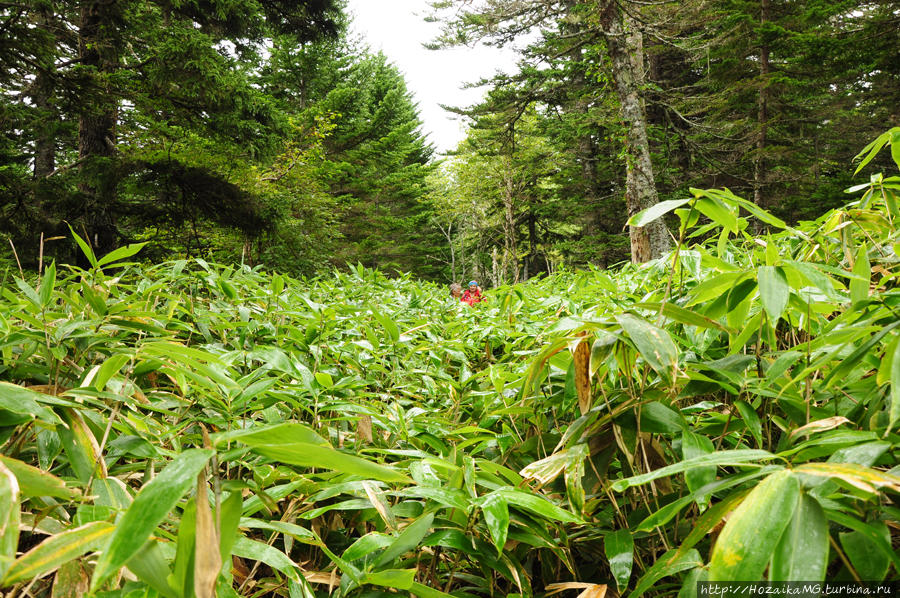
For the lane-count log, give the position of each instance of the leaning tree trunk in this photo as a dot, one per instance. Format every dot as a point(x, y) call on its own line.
point(626, 53)
point(98, 49)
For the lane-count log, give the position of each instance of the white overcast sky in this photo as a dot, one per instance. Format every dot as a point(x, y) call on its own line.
point(398, 28)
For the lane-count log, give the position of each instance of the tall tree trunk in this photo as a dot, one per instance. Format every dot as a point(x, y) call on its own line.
point(45, 140)
point(98, 49)
point(626, 53)
point(533, 262)
point(762, 114)
point(510, 249)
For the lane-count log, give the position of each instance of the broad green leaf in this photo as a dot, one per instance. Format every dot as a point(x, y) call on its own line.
point(700, 496)
point(718, 213)
point(297, 444)
point(802, 552)
point(683, 315)
point(774, 291)
point(423, 591)
point(9, 518)
point(496, 516)
point(271, 556)
point(751, 420)
point(100, 375)
point(152, 504)
point(748, 540)
point(694, 577)
point(367, 545)
point(408, 539)
point(619, 549)
point(669, 563)
point(645, 217)
point(735, 457)
point(869, 562)
point(85, 248)
point(56, 550)
point(35, 482)
point(862, 271)
point(575, 458)
point(18, 399)
point(150, 566)
point(400, 579)
point(654, 344)
point(876, 539)
point(695, 446)
point(894, 413)
point(865, 478)
point(537, 505)
point(120, 254)
point(657, 418)
point(871, 150)
point(48, 281)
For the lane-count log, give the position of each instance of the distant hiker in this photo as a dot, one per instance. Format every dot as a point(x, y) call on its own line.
point(472, 295)
point(456, 290)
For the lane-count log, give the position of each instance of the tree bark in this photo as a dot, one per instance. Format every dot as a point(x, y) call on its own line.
point(762, 115)
point(45, 140)
point(624, 41)
point(98, 49)
point(510, 249)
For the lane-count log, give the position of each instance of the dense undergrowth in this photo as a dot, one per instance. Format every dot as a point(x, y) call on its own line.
point(727, 413)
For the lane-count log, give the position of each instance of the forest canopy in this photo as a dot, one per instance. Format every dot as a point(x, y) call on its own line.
point(265, 132)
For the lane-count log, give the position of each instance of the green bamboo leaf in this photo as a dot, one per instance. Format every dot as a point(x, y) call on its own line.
point(25, 401)
point(666, 564)
point(422, 591)
point(619, 549)
point(48, 281)
point(496, 516)
point(150, 566)
point(774, 291)
point(874, 534)
point(408, 539)
point(654, 344)
point(293, 530)
point(871, 150)
point(689, 587)
point(537, 505)
point(575, 457)
point(297, 444)
point(57, 550)
point(862, 272)
point(894, 412)
point(10, 515)
point(645, 217)
point(85, 248)
point(35, 482)
point(99, 376)
point(367, 545)
point(869, 562)
point(399, 579)
point(685, 316)
point(696, 446)
point(749, 538)
point(735, 457)
point(152, 504)
point(657, 418)
point(120, 254)
point(802, 552)
point(751, 420)
point(262, 552)
point(717, 212)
